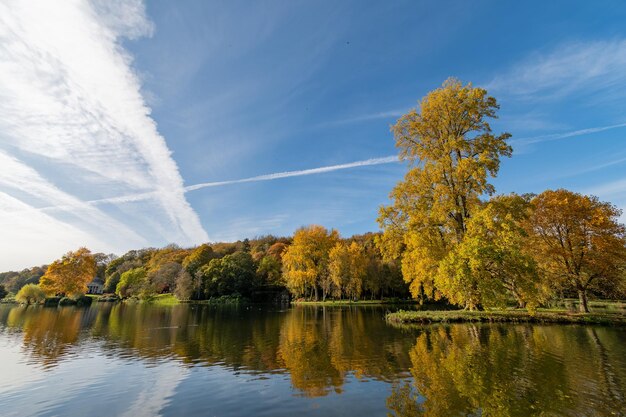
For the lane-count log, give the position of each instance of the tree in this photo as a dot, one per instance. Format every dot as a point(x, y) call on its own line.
point(184, 285)
point(30, 294)
point(277, 250)
point(451, 152)
point(492, 263)
point(116, 267)
point(164, 279)
point(305, 262)
point(270, 270)
point(70, 274)
point(3, 292)
point(231, 275)
point(347, 269)
point(339, 268)
point(198, 258)
point(578, 241)
point(132, 283)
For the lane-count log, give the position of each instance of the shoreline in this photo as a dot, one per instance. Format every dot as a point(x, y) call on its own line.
point(503, 316)
point(354, 303)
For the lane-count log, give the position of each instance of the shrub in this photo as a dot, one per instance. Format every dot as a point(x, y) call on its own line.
point(52, 301)
point(30, 294)
point(67, 301)
point(84, 301)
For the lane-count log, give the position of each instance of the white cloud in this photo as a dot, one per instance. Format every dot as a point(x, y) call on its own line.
point(131, 198)
point(70, 105)
point(613, 191)
point(590, 67)
point(389, 114)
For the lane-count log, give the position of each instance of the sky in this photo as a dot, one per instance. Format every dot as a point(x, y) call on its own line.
point(128, 124)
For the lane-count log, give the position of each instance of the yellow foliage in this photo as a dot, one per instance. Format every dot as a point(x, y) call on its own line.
point(305, 262)
point(70, 274)
point(451, 152)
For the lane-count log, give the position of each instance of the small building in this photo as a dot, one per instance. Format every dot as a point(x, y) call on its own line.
point(95, 287)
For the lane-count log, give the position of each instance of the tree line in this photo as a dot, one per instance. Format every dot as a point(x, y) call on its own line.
point(313, 259)
point(445, 236)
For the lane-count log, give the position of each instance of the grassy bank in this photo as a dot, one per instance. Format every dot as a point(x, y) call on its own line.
point(511, 316)
point(354, 303)
point(163, 300)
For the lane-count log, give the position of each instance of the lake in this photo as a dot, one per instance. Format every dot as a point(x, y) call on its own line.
point(138, 359)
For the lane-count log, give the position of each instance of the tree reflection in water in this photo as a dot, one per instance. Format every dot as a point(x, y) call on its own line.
point(513, 371)
point(439, 370)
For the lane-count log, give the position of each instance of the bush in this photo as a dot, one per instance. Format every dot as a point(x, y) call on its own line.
point(84, 301)
point(52, 301)
point(30, 294)
point(3, 292)
point(67, 301)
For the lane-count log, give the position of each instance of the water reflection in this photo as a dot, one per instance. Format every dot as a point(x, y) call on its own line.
point(514, 371)
point(461, 369)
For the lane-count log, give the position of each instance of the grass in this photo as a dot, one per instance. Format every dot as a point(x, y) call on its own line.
point(169, 299)
point(163, 300)
point(510, 316)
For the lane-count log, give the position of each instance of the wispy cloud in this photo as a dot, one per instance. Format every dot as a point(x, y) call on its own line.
point(563, 135)
point(71, 107)
point(587, 67)
point(388, 114)
point(131, 198)
point(613, 191)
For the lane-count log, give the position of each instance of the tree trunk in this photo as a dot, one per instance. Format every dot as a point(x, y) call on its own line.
point(315, 293)
point(582, 297)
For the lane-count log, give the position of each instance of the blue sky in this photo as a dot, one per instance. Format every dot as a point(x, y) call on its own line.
point(108, 110)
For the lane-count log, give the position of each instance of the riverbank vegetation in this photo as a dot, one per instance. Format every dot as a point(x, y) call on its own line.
point(446, 236)
point(505, 315)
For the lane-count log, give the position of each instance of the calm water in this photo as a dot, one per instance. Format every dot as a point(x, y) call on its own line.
point(136, 360)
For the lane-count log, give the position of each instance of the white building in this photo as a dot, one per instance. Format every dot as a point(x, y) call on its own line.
point(95, 287)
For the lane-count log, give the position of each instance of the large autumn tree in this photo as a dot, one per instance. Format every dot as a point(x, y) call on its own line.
point(452, 153)
point(493, 264)
point(305, 262)
point(578, 241)
point(70, 274)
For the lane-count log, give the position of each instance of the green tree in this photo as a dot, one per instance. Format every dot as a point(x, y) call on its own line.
point(3, 292)
point(70, 274)
point(578, 241)
point(451, 152)
point(270, 270)
point(30, 294)
point(231, 275)
point(132, 283)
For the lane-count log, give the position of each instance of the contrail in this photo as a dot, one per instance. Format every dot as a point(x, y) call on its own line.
point(555, 136)
point(287, 174)
point(266, 177)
